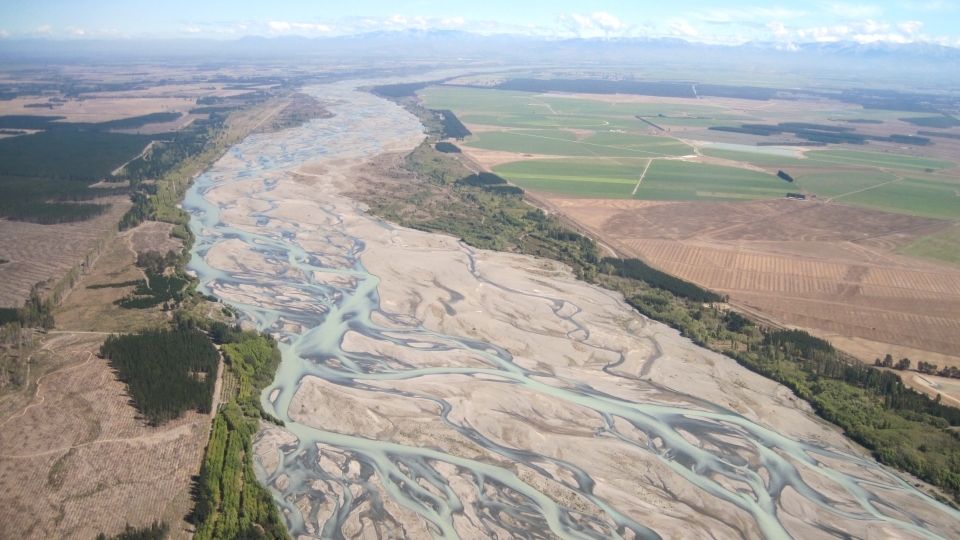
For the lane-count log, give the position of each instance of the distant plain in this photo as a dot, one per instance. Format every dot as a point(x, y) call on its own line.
point(869, 260)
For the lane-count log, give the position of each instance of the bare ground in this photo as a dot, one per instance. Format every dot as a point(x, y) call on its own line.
point(41, 252)
point(826, 267)
point(92, 309)
point(77, 461)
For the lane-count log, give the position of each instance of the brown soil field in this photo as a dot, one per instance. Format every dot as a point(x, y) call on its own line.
point(154, 236)
point(92, 309)
point(821, 266)
point(41, 252)
point(75, 460)
point(100, 109)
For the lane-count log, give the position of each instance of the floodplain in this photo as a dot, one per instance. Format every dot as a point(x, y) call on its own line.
point(868, 259)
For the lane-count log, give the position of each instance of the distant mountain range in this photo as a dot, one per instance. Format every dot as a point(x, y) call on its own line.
point(450, 47)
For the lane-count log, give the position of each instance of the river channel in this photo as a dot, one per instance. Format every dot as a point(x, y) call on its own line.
point(294, 267)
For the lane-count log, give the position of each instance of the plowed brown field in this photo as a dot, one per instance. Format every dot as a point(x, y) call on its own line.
point(77, 461)
point(822, 266)
point(41, 252)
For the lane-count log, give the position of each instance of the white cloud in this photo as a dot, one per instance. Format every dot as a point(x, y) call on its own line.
point(600, 19)
point(597, 24)
point(4, 33)
point(863, 31)
point(825, 34)
point(453, 21)
point(190, 30)
point(749, 14)
point(855, 11)
point(870, 27)
point(910, 27)
point(282, 27)
point(608, 21)
point(45, 29)
point(778, 29)
point(311, 27)
point(683, 28)
point(77, 32)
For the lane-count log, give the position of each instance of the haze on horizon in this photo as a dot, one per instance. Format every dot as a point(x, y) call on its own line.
point(730, 22)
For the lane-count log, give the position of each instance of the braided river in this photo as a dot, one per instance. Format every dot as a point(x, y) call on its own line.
point(432, 390)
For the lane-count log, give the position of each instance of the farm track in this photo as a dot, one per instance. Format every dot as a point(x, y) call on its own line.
point(803, 280)
point(87, 461)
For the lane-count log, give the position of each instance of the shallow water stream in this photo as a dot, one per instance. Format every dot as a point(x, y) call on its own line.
point(728, 457)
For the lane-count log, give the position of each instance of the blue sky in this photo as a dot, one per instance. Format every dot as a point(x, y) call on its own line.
point(731, 22)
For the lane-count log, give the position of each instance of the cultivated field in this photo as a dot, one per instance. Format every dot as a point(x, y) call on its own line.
point(90, 307)
point(46, 252)
point(827, 267)
point(75, 460)
point(594, 145)
point(850, 263)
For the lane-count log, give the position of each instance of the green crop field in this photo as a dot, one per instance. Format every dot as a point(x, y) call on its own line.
point(837, 183)
point(665, 180)
point(563, 143)
point(680, 180)
point(537, 120)
point(756, 158)
point(509, 102)
point(608, 162)
point(531, 110)
point(878, 159)
point(911, 196)
point(942, 246)
point(643, 144)
point(586, 178)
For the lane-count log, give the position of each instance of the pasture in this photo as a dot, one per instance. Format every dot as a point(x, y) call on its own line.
point(941, 246)
point(602, 148)
point(584, 178)
point(878, 159)
point(669, 180)
point(834, 264)
point(564, 143)
point(665, 180)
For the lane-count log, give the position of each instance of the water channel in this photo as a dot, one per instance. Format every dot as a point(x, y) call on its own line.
point(311, 317)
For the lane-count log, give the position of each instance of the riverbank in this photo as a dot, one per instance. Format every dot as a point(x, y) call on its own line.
point(474, 391)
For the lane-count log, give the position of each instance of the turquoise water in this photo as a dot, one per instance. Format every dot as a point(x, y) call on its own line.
point(365, 126)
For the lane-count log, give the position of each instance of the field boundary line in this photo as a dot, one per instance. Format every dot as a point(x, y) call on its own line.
point(945, 223)
point(140, 155)
point(899, 178)
point(636, 187)
point(599, 145)
point(267, 117)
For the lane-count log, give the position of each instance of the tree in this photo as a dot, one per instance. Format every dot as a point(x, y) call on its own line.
point(903, 364)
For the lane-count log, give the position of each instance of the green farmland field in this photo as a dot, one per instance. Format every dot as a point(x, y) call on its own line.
point(837, 183)
point(531, 110)
point(521, 103)
point(585, 178)
point(878, 159)
point(562, 143)
point(608, 163)
point(540, 119)
point(911, 196)
point(762, 160)
point(665, 180)
point(943, 246)
point(679, 180)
